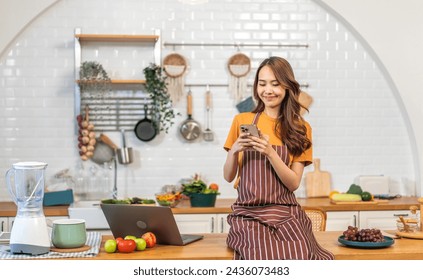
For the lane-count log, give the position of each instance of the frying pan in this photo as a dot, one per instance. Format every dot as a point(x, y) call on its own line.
point(104, 150)
point(190, 129)
point(145, 129)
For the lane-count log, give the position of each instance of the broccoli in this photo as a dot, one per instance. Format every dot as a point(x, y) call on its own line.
point(355, 189)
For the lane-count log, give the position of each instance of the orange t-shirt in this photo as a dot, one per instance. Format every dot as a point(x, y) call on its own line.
point(266, 125)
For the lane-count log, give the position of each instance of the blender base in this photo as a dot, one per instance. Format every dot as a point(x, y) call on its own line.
point(29, 235)
point(33, 250)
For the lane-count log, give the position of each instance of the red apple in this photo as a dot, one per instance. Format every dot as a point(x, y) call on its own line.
point(150, 239)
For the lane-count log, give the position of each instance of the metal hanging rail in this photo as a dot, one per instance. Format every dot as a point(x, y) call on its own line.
point(236, 45)
point(226, 85)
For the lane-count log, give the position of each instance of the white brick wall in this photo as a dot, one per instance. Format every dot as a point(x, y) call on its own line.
point(358, 127)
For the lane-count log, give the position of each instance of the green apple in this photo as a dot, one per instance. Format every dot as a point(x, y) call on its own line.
point(141, 244)
point(130, 237)
point(110, 246)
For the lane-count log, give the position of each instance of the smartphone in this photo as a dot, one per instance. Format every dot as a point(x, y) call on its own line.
point(250, 128)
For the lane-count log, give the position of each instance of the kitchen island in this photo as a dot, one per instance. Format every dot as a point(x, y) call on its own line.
point(213, 247)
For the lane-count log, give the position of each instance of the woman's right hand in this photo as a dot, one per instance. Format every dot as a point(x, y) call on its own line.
point(242, 143)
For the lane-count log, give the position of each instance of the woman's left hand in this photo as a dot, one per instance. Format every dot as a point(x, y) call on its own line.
point(261, 144)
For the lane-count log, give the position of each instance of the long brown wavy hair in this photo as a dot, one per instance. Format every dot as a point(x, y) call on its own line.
point(290, 125)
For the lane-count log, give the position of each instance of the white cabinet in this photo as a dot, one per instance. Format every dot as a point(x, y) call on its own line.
point(202, 223)
point(384, 220)
point(341, 220)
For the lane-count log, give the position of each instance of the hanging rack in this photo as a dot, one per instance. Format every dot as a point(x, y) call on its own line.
point(225, 85)
point(237, 45)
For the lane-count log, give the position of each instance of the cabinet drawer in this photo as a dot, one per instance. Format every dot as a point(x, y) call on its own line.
point(202, 223)
point(385, 220)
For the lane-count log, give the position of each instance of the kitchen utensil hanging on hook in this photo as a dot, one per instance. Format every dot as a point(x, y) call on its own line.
point(125, 155)
point(145, 129)
point(239, 65)
point(208, 133)
point(190, 129)
point(175, 66)
point(105, 150)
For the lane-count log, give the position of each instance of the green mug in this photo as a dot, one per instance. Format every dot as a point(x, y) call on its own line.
point(68, 233)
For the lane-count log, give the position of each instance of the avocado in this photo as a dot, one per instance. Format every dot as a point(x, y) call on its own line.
point(355, 189)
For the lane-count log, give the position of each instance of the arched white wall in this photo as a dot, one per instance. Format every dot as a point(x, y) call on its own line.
point(393, 31)
point(15, 15)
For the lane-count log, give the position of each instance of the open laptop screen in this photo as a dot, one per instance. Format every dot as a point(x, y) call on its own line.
point(125, 219)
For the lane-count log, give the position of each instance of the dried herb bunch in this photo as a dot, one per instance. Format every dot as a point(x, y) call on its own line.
point(93, 77)
point(161, 102)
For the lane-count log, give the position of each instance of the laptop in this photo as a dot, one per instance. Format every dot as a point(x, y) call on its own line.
point(125, 219)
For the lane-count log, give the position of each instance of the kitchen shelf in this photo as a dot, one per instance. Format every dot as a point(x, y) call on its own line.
point(116, 82)
point(122, 106)
point(116, 38)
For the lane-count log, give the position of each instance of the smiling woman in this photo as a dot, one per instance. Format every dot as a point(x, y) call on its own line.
point(267, 222)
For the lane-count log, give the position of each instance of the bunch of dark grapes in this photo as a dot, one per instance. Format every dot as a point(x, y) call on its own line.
point(363, 235)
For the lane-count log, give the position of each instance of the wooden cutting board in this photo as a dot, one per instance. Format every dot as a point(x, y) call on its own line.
point(414, 235)
point(318, 183)
point(376, 201)
point(305, 99)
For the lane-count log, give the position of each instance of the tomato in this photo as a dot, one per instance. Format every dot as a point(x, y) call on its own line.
point(150, 239)
point(214, 186)
point(127, 245)
point(119, 239)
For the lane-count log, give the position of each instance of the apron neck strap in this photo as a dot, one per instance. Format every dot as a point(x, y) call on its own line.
point(256, 118)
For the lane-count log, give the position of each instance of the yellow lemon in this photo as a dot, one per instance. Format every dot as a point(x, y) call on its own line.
point(332, 193)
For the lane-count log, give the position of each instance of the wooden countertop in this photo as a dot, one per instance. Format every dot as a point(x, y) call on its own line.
point(223, 206)
point(8, 209)
point(213, 247)
point(402, 249)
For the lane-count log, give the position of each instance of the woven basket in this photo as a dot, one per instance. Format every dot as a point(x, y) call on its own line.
point(175, 65)
point(239, 65)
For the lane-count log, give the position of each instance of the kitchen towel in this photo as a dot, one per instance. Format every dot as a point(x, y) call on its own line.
point(93, 240)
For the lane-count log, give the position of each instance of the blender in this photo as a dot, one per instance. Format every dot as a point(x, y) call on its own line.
point(25, 183)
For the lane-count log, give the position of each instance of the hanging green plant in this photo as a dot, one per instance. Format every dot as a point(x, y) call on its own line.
point(93, 77)
point(161, 103)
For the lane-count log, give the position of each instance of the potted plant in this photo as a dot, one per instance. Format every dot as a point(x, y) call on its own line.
point(161, 102)
point(93, 77)
point(199, 193)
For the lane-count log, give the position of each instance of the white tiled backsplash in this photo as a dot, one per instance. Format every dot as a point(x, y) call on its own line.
point(358, 128)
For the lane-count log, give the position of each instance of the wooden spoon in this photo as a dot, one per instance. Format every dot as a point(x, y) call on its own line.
point(406, 227)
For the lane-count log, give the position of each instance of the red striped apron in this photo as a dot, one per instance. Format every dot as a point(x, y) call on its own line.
point(267, 223)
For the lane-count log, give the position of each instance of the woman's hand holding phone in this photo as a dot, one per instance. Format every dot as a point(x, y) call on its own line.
point(253, 139)
point(247, 134)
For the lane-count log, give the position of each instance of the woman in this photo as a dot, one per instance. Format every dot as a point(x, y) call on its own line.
point(267, 222)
